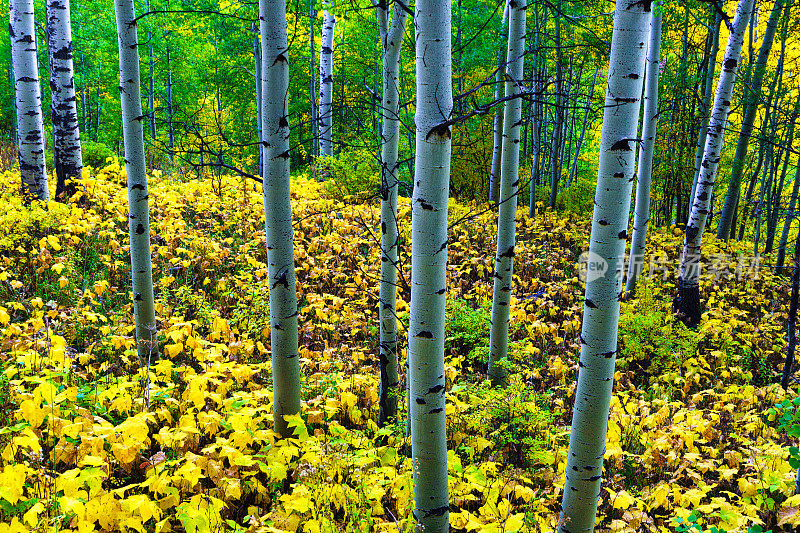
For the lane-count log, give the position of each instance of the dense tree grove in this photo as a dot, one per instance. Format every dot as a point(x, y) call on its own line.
point(369, 265)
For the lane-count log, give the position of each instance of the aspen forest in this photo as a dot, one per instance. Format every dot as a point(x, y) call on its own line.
point(413, 266)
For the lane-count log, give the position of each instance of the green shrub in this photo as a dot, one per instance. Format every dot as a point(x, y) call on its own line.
point(353, 173)
point(466, 329)
point(95, 154)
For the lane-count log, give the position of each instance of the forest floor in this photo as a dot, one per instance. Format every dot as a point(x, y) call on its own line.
point(89, 442)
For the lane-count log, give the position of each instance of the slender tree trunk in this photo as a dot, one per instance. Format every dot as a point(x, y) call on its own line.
point(772, 222)
point(138, 203)
point(645, 169)
point(509, 182)
point(746, 129)
point(14, 137)
point(170, 108)
point(606, 251)
point(533, 180)
point(151, 91)
point(391, 41)
point(494, 177)
point(30, 125)
point(574, 171)
point(790, 215)
point(555, 150)
point(792, 327)
point(708, 87)
point(432, 20)
point(326, 85)
point(259, 107)
point(688, 301)
point(66, 135)
point(312, 74)
point(278, 214)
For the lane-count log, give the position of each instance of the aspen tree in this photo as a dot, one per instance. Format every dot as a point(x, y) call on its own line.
point(688, 301)
point(429, 264)
point(748, 119)
point(138, 204)
point(558, 121)
point(606, 249)
point(507, 199)
point(66, 134)
point(497, 127)
point(708, 87)
point(326, 84)
point(645, 170)
point(574, 171)
point(391, 40)
point(30, 125)
point(278, 214)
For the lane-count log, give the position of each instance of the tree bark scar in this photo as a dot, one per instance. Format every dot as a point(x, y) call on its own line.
point(622, 145)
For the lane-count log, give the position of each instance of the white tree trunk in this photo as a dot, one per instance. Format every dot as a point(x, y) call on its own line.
point(509, 182)
point(429, 264)
point(497, 133)
point(66, 135)
point(644, 174)
point(259, 109)
point(689, 283)
point(30, 126)
point(326, 84)
point(391, 40)
point(138, 210)
point(278, 214)
point(606, 253)
point(708, 87)
point(751, 101)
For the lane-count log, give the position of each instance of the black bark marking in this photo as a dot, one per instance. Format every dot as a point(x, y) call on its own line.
point(623, 145)
point(139, 229)
point(590, 304)
point(437, 388)
point(425, 335)
point(442, 130)
point(509, 252)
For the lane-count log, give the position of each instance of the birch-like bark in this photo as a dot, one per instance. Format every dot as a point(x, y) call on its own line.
point(259, 108)
point(138, 205)
point(509, 182)
point(606, 254)
point(151, 91)
point(326, 84)
point(746, 129)
point(497, 133)
point(66, 134)
point(708, 86)
point(558, 126)
point(429, 265)
point(645, 170)
point(391, 41)
point(688, 301)
point(312, 85)
point(30, 125)
point(170, 109)
point(278, 214)
point(574, 171)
